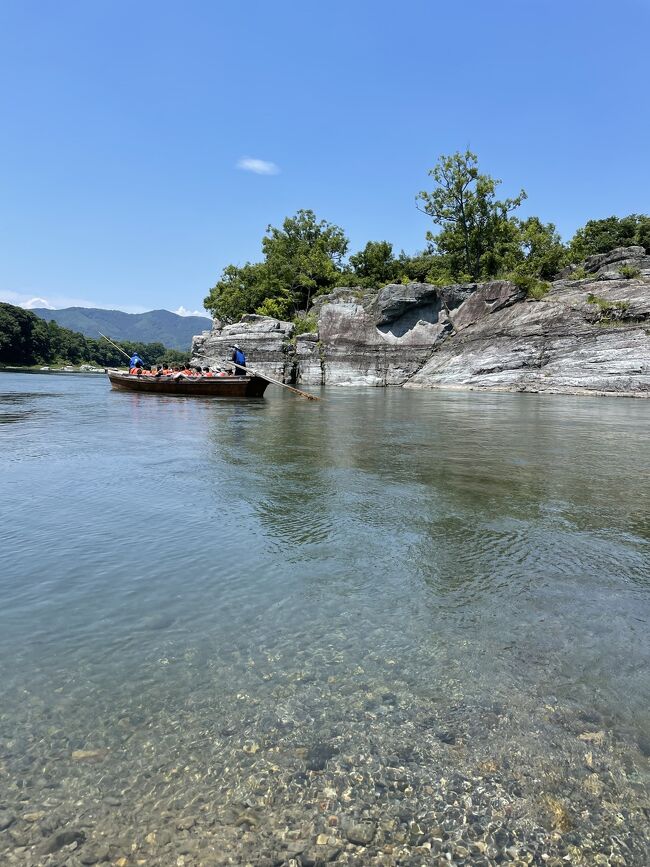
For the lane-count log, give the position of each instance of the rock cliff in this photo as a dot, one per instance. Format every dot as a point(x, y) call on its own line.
point(266, 341)
point(586, 335)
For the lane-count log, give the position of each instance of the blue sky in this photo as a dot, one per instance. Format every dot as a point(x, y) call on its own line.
point(123, 126)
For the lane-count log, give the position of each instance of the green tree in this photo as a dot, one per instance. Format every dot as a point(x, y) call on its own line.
point(542, 250)
point(375, 265)
point(239, 290)
point(601, 236)
point(422, 267)
point(476, 230)
point(301, 260)
point(14, 335)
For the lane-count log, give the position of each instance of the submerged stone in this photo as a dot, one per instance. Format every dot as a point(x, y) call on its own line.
point(361, 833)
point(6, 819)
point(318, 756)
point(63, 838)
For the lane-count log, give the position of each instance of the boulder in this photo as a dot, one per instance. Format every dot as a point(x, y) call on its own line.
point(310, 367)
point(612, 265)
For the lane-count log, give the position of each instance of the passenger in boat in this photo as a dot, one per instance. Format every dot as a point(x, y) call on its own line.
point(207, 372)
point(239, 358)
point(136, 368)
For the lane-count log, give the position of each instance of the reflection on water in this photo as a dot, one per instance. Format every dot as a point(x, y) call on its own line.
point(348, 602)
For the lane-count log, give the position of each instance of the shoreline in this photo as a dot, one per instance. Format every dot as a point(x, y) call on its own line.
point(456, 388)
point(69, 368)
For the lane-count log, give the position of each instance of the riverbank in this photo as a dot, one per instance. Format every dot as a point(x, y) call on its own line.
point(52, 368)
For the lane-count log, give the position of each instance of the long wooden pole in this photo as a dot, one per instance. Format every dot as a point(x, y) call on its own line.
point(119, 348)
point(252, 372)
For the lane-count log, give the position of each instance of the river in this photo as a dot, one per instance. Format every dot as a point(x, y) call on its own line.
point(388, 625)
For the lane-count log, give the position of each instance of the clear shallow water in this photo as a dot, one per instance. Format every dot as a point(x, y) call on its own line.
point(204, 591)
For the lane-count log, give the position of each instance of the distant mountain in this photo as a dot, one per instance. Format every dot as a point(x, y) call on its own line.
point(162, 326)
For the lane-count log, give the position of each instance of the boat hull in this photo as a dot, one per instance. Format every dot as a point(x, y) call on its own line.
point(204, 386)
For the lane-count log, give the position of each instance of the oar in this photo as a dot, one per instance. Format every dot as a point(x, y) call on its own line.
point(119, 348)
point(252, 372)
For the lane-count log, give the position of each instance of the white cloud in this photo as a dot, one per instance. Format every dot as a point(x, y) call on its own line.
point(258, 167)
point(183, 311)
point(37, 302)
point(21, 299)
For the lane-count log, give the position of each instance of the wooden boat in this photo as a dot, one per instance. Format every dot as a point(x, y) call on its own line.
point(201, 386)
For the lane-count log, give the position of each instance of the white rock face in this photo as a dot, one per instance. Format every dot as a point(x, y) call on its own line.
point(558, 344)
point(310, 368)
point(265, 341)
point(385, 339)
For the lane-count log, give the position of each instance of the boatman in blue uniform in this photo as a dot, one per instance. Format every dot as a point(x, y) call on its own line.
point(239, 358)
point(134, 360)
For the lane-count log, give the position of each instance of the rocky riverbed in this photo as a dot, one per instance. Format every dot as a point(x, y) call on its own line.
point(585, 336)
point(316, 759)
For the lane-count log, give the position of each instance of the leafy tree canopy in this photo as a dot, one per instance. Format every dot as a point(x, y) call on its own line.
point(539, 252)
point(478, 236)
point(301, 260)
point(374, 266)
point(476, 229)
point(601, 236)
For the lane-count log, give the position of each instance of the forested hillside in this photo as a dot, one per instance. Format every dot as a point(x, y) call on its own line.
point(160, 326)
point(25, 339)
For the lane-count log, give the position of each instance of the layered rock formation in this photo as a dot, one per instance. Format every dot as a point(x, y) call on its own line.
point(588, 335)
point(266, 341)
point(563, 343)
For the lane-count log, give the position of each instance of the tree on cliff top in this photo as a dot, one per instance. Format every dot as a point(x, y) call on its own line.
point(301, 260)
point(477, 230)
point(374, 266)
point(304, 257)
point(601, 236)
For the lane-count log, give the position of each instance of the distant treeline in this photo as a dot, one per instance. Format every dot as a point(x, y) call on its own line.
point(475, 236)
point(27, 339)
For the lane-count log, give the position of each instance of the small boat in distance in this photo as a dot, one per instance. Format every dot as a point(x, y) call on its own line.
point(192, 386)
